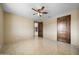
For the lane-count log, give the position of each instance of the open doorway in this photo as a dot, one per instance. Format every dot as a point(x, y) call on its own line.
point(38, 29)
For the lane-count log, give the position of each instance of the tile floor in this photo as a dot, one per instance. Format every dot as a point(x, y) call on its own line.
point(40, 46)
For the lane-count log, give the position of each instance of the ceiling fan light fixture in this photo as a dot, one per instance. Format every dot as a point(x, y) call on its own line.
point(40, 14)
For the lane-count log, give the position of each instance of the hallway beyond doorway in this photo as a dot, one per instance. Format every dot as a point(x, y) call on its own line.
point(38, 29)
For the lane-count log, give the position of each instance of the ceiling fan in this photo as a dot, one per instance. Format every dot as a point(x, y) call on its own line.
point(40, 11)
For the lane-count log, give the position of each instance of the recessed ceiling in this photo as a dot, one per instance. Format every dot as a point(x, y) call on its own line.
point(25, 9)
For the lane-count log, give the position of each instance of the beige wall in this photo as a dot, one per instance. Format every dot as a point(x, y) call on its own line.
point(17, 28)
point(78, 28)
point(50, 27)
point(74, 27)
point(1, 27)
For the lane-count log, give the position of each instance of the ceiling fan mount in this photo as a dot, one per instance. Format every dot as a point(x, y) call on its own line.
point(40, 11)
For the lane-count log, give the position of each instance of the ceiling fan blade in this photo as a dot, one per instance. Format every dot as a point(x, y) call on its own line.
point(42, 7)
point(40, 15)
point(33, 14)
point(45, 12)
point(34, 9)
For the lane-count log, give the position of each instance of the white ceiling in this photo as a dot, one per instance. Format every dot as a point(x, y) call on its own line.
point(25, 9)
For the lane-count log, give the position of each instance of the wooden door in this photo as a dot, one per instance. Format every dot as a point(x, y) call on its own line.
point(40, 29)
point(63, 29)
